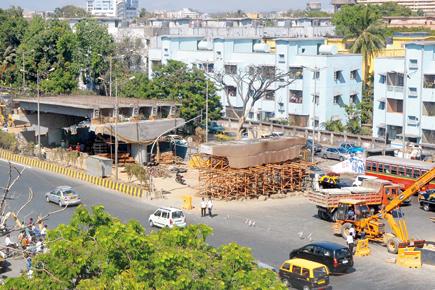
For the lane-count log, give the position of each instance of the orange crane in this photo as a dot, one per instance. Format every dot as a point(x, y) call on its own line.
point(371, 223)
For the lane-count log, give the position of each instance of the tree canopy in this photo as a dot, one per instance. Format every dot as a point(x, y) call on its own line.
point(176, 81)
point(98, 251)
point(70, 11)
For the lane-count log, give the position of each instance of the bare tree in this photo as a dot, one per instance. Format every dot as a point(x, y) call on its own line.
point(250, 86)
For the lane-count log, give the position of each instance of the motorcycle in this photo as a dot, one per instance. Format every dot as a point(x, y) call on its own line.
point(180, 179)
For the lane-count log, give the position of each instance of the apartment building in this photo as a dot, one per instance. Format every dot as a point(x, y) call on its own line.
point(124, 9)
point(404, 94)
point(427, 6)
point(321, 83)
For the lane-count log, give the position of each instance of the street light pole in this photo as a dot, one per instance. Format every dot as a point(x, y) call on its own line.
point(116, 129)
point(38, 114)
point(206, 106)
point(314, 112)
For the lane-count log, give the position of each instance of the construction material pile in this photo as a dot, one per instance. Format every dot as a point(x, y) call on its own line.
point(250, 169)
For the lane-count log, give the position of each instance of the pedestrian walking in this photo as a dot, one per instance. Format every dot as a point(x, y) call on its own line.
point(44, 232)
point(203, 207)
point(350, 243)
point(210, 207)
point(362, 234)
point(28, 263)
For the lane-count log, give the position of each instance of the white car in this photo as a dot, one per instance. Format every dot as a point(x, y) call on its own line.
point(63, 196)
point(167, 217)
point(360, 178)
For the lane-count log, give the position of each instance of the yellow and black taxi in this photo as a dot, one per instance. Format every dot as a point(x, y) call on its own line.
point(304, 274)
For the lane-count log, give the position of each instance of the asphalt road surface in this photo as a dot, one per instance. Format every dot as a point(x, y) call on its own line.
point(280, 227)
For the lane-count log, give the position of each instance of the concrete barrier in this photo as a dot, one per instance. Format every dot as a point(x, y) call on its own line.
point(72, 173)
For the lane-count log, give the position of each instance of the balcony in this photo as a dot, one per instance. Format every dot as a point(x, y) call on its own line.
point(429, 82)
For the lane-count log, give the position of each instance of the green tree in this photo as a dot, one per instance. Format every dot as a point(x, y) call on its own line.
point(361, 24)
point(175, 81)
point(70, 11)
point(353, 124)
point(334, 126)
point(49, 47)
point(12, 29)
point(137, 87)
point(393, 9)
point(95, 45)
point(98, 251)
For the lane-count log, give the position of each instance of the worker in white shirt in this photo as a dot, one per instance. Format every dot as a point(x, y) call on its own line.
point(352, 231)
point(203, 207)
point(350, 243)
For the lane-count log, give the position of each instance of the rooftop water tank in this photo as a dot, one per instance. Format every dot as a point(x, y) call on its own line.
point(328, 49)
point(261, 47)
point(205, 45)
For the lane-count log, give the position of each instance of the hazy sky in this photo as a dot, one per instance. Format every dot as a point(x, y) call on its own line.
point(203, 5)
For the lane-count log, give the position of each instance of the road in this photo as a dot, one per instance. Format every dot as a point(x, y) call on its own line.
point(281, 225)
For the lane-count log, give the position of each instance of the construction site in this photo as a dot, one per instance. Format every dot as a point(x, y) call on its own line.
point(249, 169)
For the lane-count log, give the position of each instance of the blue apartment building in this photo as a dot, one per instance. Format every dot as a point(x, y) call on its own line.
point(323, 82)
point(404, 95)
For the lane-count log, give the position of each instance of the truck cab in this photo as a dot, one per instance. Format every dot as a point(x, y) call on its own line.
point(351, 210)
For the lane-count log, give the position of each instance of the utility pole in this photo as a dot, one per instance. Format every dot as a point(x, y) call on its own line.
point(24, 74)
point(314, 112)
point(116, 128)
point(206, 105)
point(38, 113)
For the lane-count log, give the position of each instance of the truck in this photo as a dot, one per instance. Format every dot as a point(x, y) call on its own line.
point(374, 193)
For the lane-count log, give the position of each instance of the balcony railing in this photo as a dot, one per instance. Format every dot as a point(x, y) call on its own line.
point(395, 89)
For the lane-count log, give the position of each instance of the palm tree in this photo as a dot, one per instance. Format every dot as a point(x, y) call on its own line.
point(369, 37)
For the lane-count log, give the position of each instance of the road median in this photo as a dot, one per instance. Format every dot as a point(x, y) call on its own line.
point(127, 189)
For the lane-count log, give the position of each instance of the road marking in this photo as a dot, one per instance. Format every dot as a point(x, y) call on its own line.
point(16, 164)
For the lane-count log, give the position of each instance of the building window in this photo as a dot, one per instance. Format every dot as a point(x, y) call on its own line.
point(295, 97)
point(382, 79)
point(316, 75)
point(207, 67)
point(267, 72)
point(156, 64)
point(354, 74)
point(395, 79)
point(413, 64)
point(337, 75)
point(281, 58)
point(353, 99)
point(413, 121)
point(394, 106)
point(429, 82)
point(337, 99)
point(316, 99)
point(251, 115)
point(412, 93)
point(231, 91)
point(381, 105)
point(230, 69)
point(296, 73)
point(270, 95)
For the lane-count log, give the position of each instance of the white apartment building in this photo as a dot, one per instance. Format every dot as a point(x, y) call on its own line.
point(427, 6)
point(322, 82)
point(124, 9)
point(404, 94)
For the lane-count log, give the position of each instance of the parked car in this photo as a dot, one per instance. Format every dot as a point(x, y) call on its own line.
point(215, 128)
point(351, 148)
point(427, 200)
point(317, 147)
point(304, 274)
point(335, 153)
point(167, 217)
point(63, 196)
point(336, 257)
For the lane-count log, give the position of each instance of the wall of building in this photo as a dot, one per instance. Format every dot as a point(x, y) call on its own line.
point(288, 52)
point(416, 98)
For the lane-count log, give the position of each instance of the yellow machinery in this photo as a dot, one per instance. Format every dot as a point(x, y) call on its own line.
point(372, 225)
point(329, 181)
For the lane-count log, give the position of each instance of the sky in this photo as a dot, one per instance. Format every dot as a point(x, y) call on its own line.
point(202, 5)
